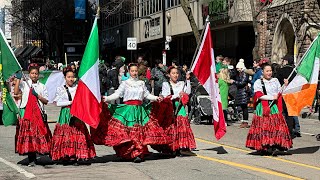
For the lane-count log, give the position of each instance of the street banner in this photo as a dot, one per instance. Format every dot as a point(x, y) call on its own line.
point(204, 69)
point(302, 89)
point(8, 66)
point(87, 102)
point(80, 9)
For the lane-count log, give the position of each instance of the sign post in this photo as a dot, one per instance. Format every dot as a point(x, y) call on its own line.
point(131, 44)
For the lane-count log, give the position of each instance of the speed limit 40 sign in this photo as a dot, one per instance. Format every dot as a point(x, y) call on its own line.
point(132, 43)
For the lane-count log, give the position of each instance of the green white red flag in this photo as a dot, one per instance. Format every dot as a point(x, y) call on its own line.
point(87, 102)
point(52, 80)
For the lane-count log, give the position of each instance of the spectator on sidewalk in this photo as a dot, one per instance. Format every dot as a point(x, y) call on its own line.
point(158, 74)
point(241, 98)
point(113, 81)
point(283, 73)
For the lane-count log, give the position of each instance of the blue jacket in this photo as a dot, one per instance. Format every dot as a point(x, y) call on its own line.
point(257, 75)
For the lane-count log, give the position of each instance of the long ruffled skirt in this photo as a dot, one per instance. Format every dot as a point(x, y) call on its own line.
point(32, 138)
point(268, 131)
point(179, 130)
point(71, 139)
point(130, 128)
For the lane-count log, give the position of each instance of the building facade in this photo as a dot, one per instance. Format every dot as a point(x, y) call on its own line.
point(152, 21)
point(289, 28)
point(6, 21)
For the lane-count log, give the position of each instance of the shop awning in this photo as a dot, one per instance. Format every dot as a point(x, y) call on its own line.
point(19, 51)
point(28, 51)
point(35, 51)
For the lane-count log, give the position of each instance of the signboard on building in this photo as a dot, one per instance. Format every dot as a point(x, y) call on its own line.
point(152, 28)
point(131, 43)
point(80, 9)
point(217, 11)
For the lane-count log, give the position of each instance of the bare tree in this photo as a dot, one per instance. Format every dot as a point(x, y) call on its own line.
point(187, 10)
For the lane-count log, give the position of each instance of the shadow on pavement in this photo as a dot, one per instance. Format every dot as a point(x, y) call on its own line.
point(305, 150)
point(42, 160)
point(105, 159)
point(220, 150)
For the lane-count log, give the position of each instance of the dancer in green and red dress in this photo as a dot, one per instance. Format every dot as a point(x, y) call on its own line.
point(178, 126)
point(131, 126)
point(33, 134)
point(269, 130)
point(71, 140)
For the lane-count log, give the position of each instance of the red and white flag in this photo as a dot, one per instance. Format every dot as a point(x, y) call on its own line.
point(204, 69)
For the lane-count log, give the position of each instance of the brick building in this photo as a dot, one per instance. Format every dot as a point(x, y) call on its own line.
point(286, 25)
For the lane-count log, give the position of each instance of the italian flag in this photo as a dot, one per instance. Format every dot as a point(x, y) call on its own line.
point(302, 89)
point(86, 104)
point(52, 80)
point(204, 69)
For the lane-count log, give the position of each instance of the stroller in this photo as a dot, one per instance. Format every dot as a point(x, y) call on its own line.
point(200, 105)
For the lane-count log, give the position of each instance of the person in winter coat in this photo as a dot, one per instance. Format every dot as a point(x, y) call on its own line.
point(241, 81)
point(257, 72)
point(113, 81)
point(159, 76)
point(223, 82)
point(283, 73)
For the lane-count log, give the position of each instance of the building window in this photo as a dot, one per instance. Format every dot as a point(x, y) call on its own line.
point(147, 7)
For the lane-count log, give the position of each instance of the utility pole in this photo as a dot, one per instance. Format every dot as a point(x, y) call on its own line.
point(164, 34)
point(164, 22)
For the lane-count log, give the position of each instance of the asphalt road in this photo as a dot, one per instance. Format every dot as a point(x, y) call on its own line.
point(224, 159)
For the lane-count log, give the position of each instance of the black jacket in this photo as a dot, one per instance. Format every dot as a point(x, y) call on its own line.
point(241, 82)
point(284, 73)
point(113, 80)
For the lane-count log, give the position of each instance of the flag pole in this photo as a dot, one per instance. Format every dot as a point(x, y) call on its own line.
point(193, 59)
point(199, 43)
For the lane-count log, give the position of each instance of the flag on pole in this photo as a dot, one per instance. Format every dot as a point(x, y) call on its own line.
point(302, 89)
point(204, 69)
point(52, 80)
point(86, 104)
point(8, 66)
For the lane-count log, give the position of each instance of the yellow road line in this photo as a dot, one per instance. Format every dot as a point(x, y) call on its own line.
point(243, 166)
point(246, 151)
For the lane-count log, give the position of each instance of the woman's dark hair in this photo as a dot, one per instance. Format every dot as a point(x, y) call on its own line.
point(125, 70)
point(66, 70)
point(33, 66)
point(265, 65)
point(131, 65)
point(158, 61)
point(170, 69)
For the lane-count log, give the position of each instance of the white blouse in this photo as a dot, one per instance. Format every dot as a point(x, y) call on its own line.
point(25, 88)
point(62, 98)
point(132, 89)
point(177, 88)
point(272, 86)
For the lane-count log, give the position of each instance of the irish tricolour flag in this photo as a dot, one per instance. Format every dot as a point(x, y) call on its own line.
point(302, 89)
point(52, 80)
point(86, 104)
point(204, 69)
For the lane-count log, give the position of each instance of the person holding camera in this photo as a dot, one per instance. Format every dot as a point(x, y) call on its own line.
point(158, 74)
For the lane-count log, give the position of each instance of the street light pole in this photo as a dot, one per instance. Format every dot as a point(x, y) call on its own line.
point(164, 31)
point(164, 22)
